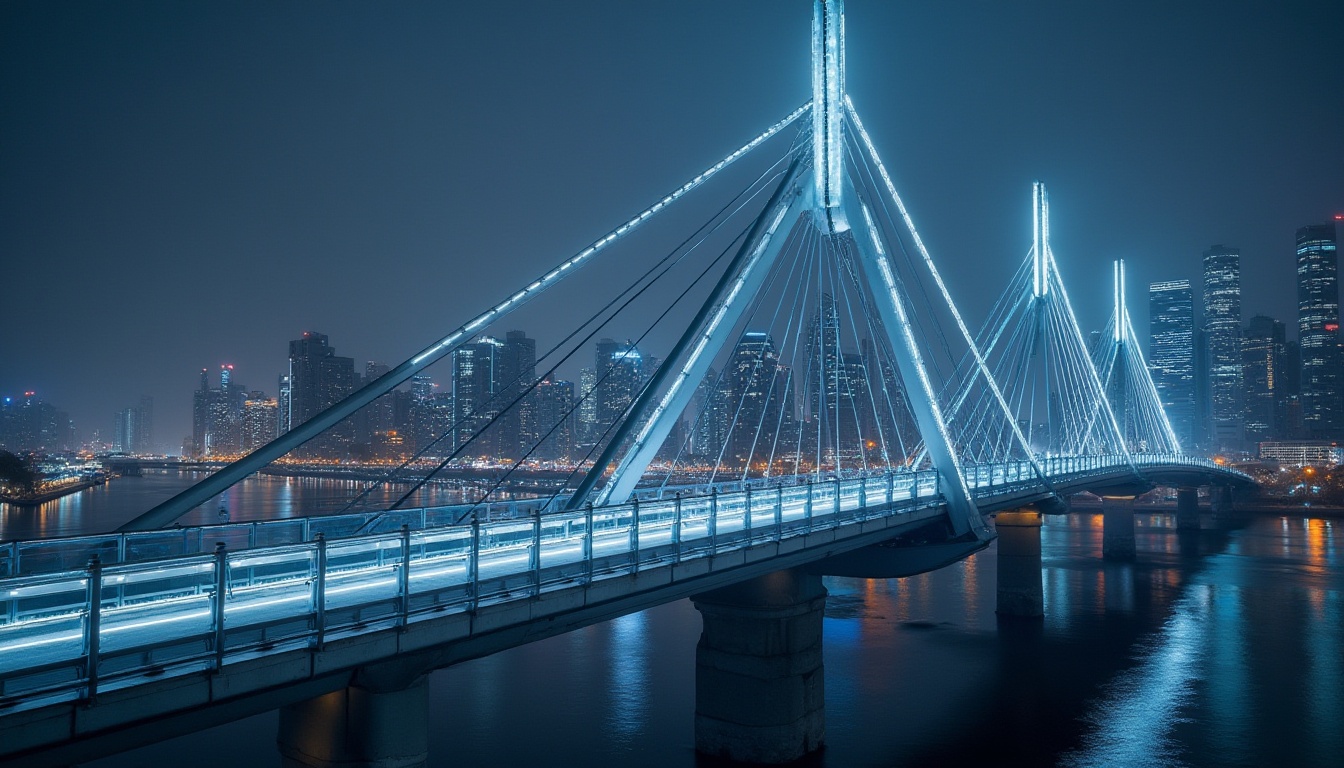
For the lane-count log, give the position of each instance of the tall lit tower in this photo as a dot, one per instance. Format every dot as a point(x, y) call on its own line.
point(1171, 345)
point(1318, 329)
point(1222, 337)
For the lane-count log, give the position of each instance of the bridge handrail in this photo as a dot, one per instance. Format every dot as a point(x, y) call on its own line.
point(71, 552)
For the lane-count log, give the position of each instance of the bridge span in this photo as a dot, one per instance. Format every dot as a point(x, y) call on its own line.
point(224, 630)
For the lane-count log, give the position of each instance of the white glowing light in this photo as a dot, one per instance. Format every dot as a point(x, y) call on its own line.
point(942, 288)
point(583, 256)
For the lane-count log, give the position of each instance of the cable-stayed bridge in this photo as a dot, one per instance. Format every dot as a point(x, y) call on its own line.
point(823, 408)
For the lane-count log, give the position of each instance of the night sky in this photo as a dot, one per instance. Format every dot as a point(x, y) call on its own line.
point(187, 184)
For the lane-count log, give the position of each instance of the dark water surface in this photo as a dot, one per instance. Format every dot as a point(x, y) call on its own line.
point(1222, 648)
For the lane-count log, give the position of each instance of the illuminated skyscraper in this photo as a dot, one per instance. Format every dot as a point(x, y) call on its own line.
point(260, 414)
point(1171, 360)
point(1222, 334)
point(1318, 330)
point(319, 379)
point(622, 365)
point(134, 432)
point(1262, 373)
point(476, 383)
point(552, 420)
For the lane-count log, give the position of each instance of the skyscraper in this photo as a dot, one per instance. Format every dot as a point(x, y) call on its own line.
point(552, 420)
point(134, 432)
point(622, 365)
point(1222, 334)
point(517, 372)
point(1171, 361)
point(318, 379)
point(260, 414)
point(586, 433)
point(1262, 373)
point(475, 386)
point(760, 402)
point(1318, 330)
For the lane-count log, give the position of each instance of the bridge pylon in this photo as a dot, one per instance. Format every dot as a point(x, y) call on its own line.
point(1128, 383)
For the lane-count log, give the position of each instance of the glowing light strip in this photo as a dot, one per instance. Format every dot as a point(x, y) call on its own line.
point(942, 287)
point(1152, 391)
point(1037, 192)
point(1092, 369)
point(828, 71)
point(1118, 269)
point(564, 268)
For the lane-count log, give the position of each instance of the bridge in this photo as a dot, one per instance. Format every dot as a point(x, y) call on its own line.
point(800, 458)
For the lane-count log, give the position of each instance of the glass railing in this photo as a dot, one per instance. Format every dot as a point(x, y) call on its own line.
point(70, 633)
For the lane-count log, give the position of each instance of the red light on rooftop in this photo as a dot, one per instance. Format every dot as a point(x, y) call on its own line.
point(1339, 217)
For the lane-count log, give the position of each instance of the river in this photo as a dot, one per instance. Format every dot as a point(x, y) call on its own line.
point(1219, 648)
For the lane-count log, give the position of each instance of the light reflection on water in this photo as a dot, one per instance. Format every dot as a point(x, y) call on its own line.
point(1221, 647)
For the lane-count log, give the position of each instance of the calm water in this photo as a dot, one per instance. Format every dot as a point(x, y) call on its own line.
point(1225, 648)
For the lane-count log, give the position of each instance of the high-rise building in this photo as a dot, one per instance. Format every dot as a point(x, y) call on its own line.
point(1171, 360)
point(517, 371)
point(217, 416)
point(759, 403)
point(552, 420)
point(134, 429)
point(476, 369)
point(374, 421)
point(1222, 335)
point(284, 413)
point(620, 375)
point(318, 379)
point(260, 416)
point(586, 432)
point(1262, 374)
point(1318, 330)
point(28, 423)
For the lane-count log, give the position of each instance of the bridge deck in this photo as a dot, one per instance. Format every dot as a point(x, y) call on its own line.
point(197, 613)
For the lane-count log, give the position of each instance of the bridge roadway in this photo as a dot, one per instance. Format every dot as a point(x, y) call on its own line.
point(161, 655)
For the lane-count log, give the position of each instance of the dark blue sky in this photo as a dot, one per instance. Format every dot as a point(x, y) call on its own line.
point(185, 184)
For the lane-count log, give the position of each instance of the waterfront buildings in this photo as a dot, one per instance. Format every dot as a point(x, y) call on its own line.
point(1171, 354)
point(217, 416)
point(28, 423)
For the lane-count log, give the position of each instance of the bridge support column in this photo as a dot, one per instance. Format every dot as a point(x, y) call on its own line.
point(1117, 534)
point(358, 727)
point(1220, 497)
point(1187, 509)
point(1019, 572)
point(759, 694)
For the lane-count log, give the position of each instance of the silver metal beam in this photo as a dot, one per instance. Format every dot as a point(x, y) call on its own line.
point(918, 386)
point(711, 326)
point(164, 514)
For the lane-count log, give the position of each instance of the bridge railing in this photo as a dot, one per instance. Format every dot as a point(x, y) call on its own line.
point(71, 634)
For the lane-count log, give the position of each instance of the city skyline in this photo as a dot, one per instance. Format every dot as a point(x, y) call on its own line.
point(261, 204)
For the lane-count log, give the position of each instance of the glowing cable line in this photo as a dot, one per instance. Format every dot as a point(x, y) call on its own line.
point(583, 256)
point(938, 279)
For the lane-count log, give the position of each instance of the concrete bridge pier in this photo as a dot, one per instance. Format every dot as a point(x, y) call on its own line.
point(1117, 534)
point(1019, 571)
point(759, 694)
point(1220, 497)
point(1187, 509)
point(373, 723)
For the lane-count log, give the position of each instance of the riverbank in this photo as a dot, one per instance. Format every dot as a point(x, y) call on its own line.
point(52, 494)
